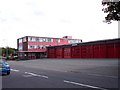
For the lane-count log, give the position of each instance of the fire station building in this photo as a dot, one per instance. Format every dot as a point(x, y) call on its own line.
point(32, 47)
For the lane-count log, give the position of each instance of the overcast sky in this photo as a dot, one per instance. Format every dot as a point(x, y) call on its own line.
point(81, 19)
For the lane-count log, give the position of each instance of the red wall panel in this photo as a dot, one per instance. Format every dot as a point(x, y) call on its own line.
point(59, 52)
point(110, 50)
point(113, 50)
point(103, 51)
point(76, 51)
point(96, 51)
point(99, 51)
point(67, 52)
point(51, 52)
point(83, 51)
point(89, 51)
point(117, 50)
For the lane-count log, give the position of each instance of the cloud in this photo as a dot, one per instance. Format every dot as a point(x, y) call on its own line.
point(3, 20)
point(12, 19)
point(30, 3)
point(65, 21)
point(50, 17)
point(38, 13)
point(16, 19)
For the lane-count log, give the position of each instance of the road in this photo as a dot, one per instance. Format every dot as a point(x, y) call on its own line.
point(99, 74)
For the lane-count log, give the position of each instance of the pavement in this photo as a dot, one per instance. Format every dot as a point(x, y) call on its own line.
point(99, 74)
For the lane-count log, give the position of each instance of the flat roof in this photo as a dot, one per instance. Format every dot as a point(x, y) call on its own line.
point(49, 37)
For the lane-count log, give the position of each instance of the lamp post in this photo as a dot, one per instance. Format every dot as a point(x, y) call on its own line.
point(7, 51)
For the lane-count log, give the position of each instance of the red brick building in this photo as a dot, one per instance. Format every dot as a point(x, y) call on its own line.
point(32, 47)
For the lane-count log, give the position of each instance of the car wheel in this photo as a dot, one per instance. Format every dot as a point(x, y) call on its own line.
point(8, 73)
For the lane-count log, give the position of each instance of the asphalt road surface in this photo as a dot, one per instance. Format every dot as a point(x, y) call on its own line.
point(99, 74)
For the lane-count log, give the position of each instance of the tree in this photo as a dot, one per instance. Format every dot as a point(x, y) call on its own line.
point(8, 51)
point(112, 10)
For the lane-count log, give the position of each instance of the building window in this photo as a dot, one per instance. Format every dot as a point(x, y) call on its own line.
point(29, 38)
point(40, 39)
point(41, 46)
point(20, 40)
point(73, 41)
point(24, 39)
point(38, 46)
point(35, 46)
point(20, 47)
point(79, 41)
point(69, 41)
point(48, 40)
point(37, 39)
point(57, 40)
point(20, 54)
point(33, 39)
point(31, 46)
point(44, 39)
point(51, 40)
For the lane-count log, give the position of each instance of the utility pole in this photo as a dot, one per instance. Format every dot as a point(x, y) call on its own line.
point(7, 51)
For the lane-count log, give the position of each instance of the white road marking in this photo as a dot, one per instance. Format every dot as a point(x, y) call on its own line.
point(27, 75)
point(14, 70)
point(83, 85)
point(33, 74)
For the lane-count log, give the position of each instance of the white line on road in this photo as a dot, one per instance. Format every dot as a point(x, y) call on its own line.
point(84, 85)
point(27, 75)
point(14, 70)
point(33, 74)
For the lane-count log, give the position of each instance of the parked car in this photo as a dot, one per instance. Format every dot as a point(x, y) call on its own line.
point(4, 67)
